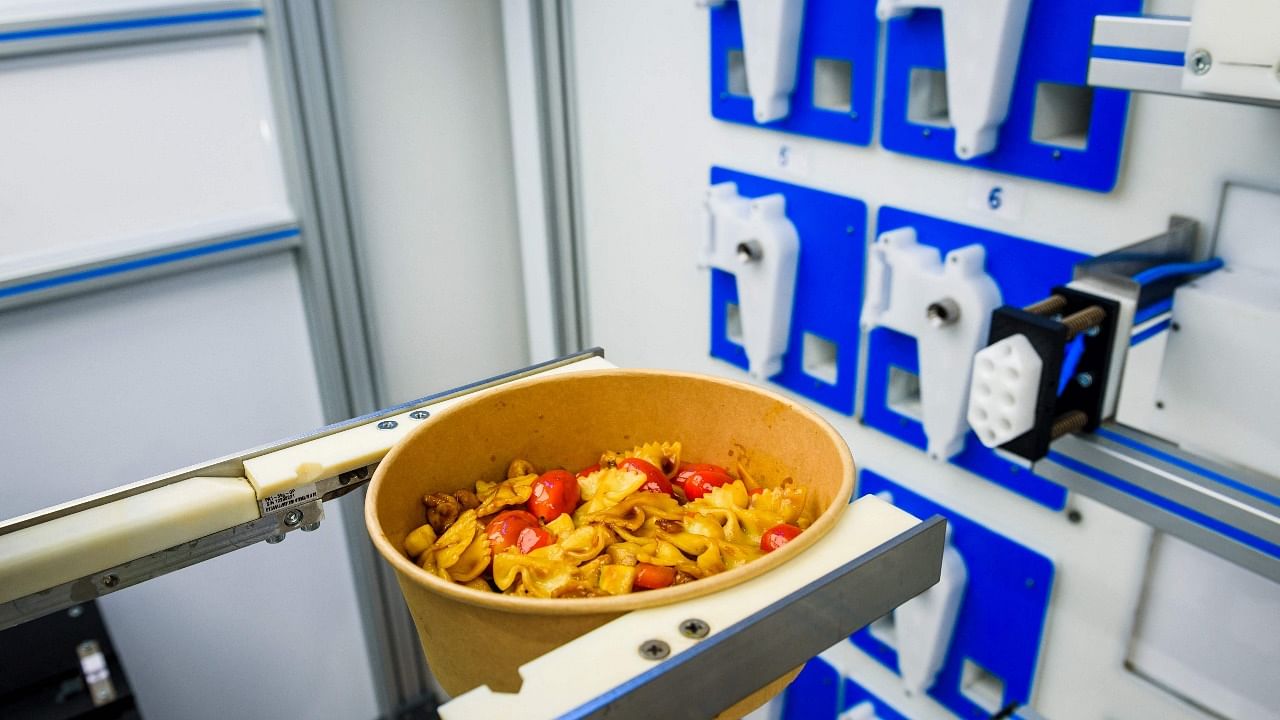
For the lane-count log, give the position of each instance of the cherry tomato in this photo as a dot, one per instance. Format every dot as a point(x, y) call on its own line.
point(588, 470)
point(686, 469)
point(531, 538)
point(652, 577)
point(700, 482)
point(505, 529)
point(656, 482)
point(777, 536)
point(555, 492)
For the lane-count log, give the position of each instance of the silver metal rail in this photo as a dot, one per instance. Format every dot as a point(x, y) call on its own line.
point(1150, 54)
point(278, 518)
point(1228, 511)
point(766, 645)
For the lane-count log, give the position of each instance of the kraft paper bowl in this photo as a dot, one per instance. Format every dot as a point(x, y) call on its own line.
point(473, 638)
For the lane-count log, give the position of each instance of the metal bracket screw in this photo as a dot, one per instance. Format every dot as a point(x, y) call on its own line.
point(749, 251)
point(694, 628)
point(357, 474)
point(654, 649)
point(419, 414)
point(942, 313)
point(387, 425)
point(1201, 62)
point(110, 581)
point(293, 517)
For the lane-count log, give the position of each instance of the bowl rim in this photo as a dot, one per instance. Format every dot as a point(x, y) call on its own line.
point(409, 571)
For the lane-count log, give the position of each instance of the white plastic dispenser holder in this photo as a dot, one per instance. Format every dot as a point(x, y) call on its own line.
point(982, 42)
point(947, 307)
point(923, 626)
point(770, 48)
point(752, 239)
point(1002, 398)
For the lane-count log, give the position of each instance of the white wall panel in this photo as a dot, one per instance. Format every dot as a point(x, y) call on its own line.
point(128, 148)
point(114, 386)
point(429, 163)
point(647, 141)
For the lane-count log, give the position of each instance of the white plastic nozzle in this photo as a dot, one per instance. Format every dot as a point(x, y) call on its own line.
point(982, 42)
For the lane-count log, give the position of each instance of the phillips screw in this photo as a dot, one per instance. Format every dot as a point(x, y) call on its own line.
point(293, 517)
point(694, 628)
point(387, 425)
point(654, 649)
point(1201, 62)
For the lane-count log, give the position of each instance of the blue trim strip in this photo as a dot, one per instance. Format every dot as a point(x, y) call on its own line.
point(1189, 466)
point(1150, 332)
point(1138, 55)
point(133, 24)
point(1152, 310)
point(1195, 516)
point(131, 265)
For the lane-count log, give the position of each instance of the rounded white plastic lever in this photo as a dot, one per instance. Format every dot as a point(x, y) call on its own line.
point(946, 306)
point(753, 239)
point(770, 47)
point(982, 42)
point(923, 626)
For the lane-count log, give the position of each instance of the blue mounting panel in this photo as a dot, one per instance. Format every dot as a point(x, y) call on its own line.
point(1056, 48)
point(832, 233)
point(819, 693)
point(1002, 614)
point(838, 30)
point(1025, 271)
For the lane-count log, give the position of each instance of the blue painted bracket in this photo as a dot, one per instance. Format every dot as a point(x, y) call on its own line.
point(844, 31)
point(1002, 614)
point(1056, 49)
point(819, 693)
point(832, 233)
point(1025, 271)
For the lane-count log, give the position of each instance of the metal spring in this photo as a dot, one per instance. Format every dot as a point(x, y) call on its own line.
point(1069, 422)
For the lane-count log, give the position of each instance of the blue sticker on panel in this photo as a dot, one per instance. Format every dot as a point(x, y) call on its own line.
point(824, 316)
point(1079, 136)
point(820, 693)
point(835, 93)
point(1025, 271)
point(815, 693)
point(996, 644)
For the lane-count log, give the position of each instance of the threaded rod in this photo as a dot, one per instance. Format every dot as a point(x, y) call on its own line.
point(1047, 306)
point(1069, 422)
point(1078, 322)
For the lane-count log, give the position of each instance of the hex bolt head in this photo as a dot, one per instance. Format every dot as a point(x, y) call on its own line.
point(293, 517)
point(694, 628)
point(310, 527)
point(1200, 62)
point(942, 313)
point(654, 649)
point(419, 414)
point(749, 251)
point(273, 539)
point(387, 425)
